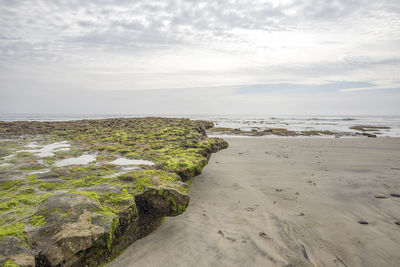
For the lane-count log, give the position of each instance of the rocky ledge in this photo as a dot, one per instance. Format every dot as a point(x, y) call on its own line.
point(359, 130)
point(77, 193)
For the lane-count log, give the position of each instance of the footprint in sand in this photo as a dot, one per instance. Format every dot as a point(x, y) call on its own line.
point(236, 187)
point(264, 235)
point(311, 182)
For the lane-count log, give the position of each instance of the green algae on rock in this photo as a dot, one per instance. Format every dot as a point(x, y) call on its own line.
point(283, 132)
point(85, 214)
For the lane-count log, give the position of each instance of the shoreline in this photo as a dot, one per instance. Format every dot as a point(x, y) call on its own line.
point(282, 202)
point(380, 125)
point(295, 137)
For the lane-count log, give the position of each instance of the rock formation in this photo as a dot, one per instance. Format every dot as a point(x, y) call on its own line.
point(86, 214)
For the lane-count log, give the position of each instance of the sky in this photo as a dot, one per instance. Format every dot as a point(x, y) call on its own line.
point(336, 57)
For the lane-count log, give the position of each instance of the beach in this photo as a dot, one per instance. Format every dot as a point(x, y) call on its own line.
point(285, 202)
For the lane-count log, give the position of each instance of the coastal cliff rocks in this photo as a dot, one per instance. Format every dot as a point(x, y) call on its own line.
point(78, 193)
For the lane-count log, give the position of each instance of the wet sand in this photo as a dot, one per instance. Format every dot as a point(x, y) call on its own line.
point(285, 202)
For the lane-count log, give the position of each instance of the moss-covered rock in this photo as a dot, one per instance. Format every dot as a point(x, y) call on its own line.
point(56, 214)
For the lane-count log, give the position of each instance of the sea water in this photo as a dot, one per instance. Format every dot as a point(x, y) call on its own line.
point(247, 122)
point(308, 123)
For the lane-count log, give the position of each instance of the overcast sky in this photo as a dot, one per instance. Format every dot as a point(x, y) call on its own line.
point(248, 57)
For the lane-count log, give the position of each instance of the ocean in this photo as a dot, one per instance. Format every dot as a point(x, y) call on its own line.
point(247, 122)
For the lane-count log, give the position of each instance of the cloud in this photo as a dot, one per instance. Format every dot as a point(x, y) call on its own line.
point(369, 88)
point(287, 87)
point(108, 45)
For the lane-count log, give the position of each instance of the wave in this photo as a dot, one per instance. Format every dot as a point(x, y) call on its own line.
point(313, 119)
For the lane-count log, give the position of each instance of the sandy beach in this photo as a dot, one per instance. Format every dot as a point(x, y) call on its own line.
point(285, 202)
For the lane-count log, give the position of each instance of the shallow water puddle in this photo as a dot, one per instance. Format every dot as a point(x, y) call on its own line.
point(125, 170)
point(39, 172)
point(8, 157)
point(81, 160)
point(32, 145)
point(47, 150)
point(5, 165)
point(125, 161)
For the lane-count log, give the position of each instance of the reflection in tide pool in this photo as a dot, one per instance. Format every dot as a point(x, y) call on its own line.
point(125, 161)
point(5, 165)
point(82, 160)
point(39, 172)
point(47, 150)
